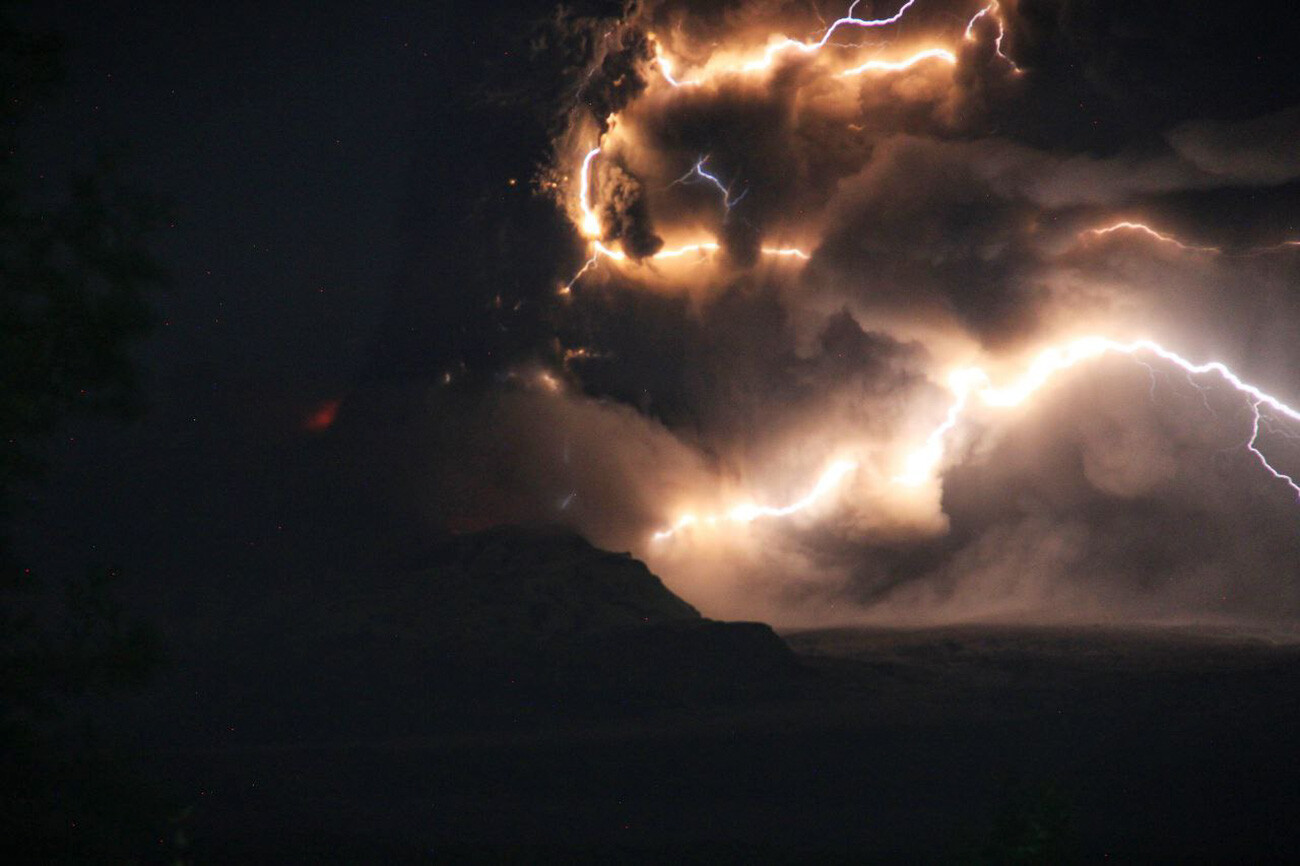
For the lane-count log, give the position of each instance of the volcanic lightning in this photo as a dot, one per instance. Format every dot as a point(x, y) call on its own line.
point(1142, 228)
point(906, 63)
point(968, 384)
point(590, 227)
point(781, 44)
point(589, 223)
point(697, 171)
point(831, 478)
point(973, 382)
point(993, 12)
point(1257, 418)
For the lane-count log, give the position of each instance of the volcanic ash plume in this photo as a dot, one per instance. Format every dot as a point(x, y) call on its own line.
point(864, 323)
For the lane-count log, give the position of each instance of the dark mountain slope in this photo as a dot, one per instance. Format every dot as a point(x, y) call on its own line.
point(499, 628)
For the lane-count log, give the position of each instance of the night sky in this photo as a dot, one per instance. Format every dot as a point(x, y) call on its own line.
point(364, 346)
point(306, 158)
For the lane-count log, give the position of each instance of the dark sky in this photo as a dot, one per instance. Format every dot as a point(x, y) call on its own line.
point(345, 228)
point(285, 139)
point(301, 151)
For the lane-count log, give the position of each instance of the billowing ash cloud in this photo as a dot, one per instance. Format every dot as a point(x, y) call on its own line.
point(1259, 150)
point(790, 249)
point(625, 213)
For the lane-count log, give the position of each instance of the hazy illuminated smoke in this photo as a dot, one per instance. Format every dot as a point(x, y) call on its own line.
point(834, 59)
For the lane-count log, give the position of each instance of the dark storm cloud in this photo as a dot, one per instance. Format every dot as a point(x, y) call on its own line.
point(617, 80)
point(948, 210)
point(625, 213)
point(735, 375)
point(1140, 507)
point(920, 229)
point(1260, 150)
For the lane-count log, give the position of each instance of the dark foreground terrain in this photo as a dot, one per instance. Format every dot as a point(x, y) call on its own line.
point(963, 745)
point(632, 730)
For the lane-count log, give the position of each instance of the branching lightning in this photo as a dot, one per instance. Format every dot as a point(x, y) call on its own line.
point(590, 227)
point(923, 464)
point(1254, 437)
point(589, 222)
point(697, 172)
point(970, 384)
point(780, 45)
point(993, 12)
point(1142, 228)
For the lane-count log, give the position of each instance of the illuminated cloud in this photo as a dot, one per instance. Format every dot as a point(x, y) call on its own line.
point(1261, 150)
point(903, 314)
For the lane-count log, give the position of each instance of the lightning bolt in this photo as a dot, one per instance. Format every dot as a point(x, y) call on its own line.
point(780, 45)
point(1254, 437)
point(969, 384)
point(899, 65)
point(1165, 238)
point(847, 21)
point(969, 36)
point(1147, 230)
point(994, 12)
point(701, 250)
point(697, 171)
point(567, 288)
point(590, 227)
point(785, 252)
point(921, 463)
point(589, 223)
point(1284, 246)
point(748, 512)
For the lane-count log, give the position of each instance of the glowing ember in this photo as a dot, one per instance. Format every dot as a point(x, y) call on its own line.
point(323, 416)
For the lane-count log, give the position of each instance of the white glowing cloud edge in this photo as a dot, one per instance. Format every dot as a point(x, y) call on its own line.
point(924, 463)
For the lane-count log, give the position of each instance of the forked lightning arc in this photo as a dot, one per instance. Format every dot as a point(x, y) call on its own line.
point(968, 385)
point(589, 222)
